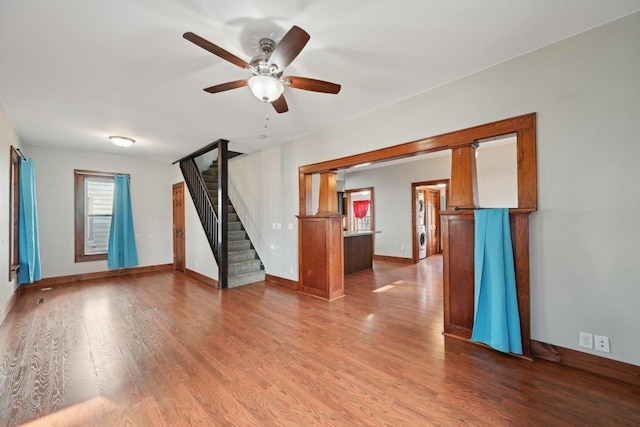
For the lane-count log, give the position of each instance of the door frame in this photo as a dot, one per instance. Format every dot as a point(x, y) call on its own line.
point(436, 221)
point(178, 242)
point(415, 253)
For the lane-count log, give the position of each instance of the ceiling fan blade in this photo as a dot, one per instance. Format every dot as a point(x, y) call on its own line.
point(280, 105)
point(226, 86)
point(314, 85)
point(289, 47)
point(216, 50)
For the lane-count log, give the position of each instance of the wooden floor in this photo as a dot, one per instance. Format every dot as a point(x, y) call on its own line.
point(162, 349)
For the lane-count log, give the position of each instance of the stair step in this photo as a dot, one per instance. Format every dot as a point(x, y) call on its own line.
point(229, 207)
point(237, 235)
point(244, 265)
point(239, 256)
point(241, 267)
point(245, 278)
point(238, 245)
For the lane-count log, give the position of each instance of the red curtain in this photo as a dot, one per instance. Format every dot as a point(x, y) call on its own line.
point(360, 208)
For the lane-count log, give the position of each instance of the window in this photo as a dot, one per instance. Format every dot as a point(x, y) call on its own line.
point(14, 213)
point(93, 205)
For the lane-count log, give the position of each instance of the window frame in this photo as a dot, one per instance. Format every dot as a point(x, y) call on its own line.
point(79, 177)
point(14, 213)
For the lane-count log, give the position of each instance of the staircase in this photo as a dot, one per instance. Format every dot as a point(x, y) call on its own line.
point(244, 264)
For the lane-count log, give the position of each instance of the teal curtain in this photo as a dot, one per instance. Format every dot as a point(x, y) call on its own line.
point(496, 317)
point(28, 243)
point(122, 243)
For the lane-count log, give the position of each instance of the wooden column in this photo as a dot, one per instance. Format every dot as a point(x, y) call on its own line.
point(328, 199)
point(320, 256)
point(464, 184)
point(458, 230)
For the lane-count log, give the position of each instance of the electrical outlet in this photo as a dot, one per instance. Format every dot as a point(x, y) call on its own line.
point(602, 344)
point(586, 340)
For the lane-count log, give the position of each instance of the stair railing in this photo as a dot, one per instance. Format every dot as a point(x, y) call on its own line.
point(215, 226)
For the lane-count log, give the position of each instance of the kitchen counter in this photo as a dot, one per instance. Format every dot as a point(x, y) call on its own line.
point(358, 250)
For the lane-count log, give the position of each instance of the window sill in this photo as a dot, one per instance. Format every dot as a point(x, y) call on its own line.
point(87, 258)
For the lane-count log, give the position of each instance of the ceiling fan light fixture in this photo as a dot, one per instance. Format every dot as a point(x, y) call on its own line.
point(266, 88)
point(122, 141)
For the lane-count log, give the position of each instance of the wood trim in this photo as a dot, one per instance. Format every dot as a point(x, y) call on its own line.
point(464, 182)
point(79, 206)
point(372, 211)
point(524, 126)
point(89, 258)
point(459, 338)
point(454, 139)
point(202, 278)
point(415, 250)
point(327, 201)
point(527, 167)
point(14, 212)
point(306, 190)
point(393, 259)
point(292, 284)
point(592, 363)
point(93, 173)
point(98, 275)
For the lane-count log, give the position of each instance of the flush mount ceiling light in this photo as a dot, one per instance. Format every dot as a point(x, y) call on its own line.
point(122, 141)
point(266, 88)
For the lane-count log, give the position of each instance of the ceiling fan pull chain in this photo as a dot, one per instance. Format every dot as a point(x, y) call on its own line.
point(266, 114)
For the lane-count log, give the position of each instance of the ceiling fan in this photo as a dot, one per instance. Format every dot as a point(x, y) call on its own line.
point(268, 82)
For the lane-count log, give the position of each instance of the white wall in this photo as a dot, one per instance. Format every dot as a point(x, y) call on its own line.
point(198, 254)
point(150, 198)
point(8, 137)
point(497, 173)
point(584, 236)
point(392, 199)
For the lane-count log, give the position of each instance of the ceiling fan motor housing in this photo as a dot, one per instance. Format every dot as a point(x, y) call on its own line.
point(267, 82)
point(261, 62)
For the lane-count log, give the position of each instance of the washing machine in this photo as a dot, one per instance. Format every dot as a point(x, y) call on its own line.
point(420, 209)
point(422, 242)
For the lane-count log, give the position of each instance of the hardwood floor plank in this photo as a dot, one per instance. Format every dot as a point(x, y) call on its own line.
point(164, 349)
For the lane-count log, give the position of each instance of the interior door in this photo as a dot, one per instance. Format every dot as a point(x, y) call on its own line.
point(178, 226)
point(433, 222)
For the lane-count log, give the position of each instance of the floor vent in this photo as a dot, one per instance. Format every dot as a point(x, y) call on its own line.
point(40, 300)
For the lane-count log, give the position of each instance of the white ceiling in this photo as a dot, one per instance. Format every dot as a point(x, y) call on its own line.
point(73, 72)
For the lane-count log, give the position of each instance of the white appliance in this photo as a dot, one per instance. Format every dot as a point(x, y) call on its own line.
point(422, 241)
point(420, 209)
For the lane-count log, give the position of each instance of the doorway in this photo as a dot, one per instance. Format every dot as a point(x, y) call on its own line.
point(178, 227)
point(358, 209)
point(428, 198)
